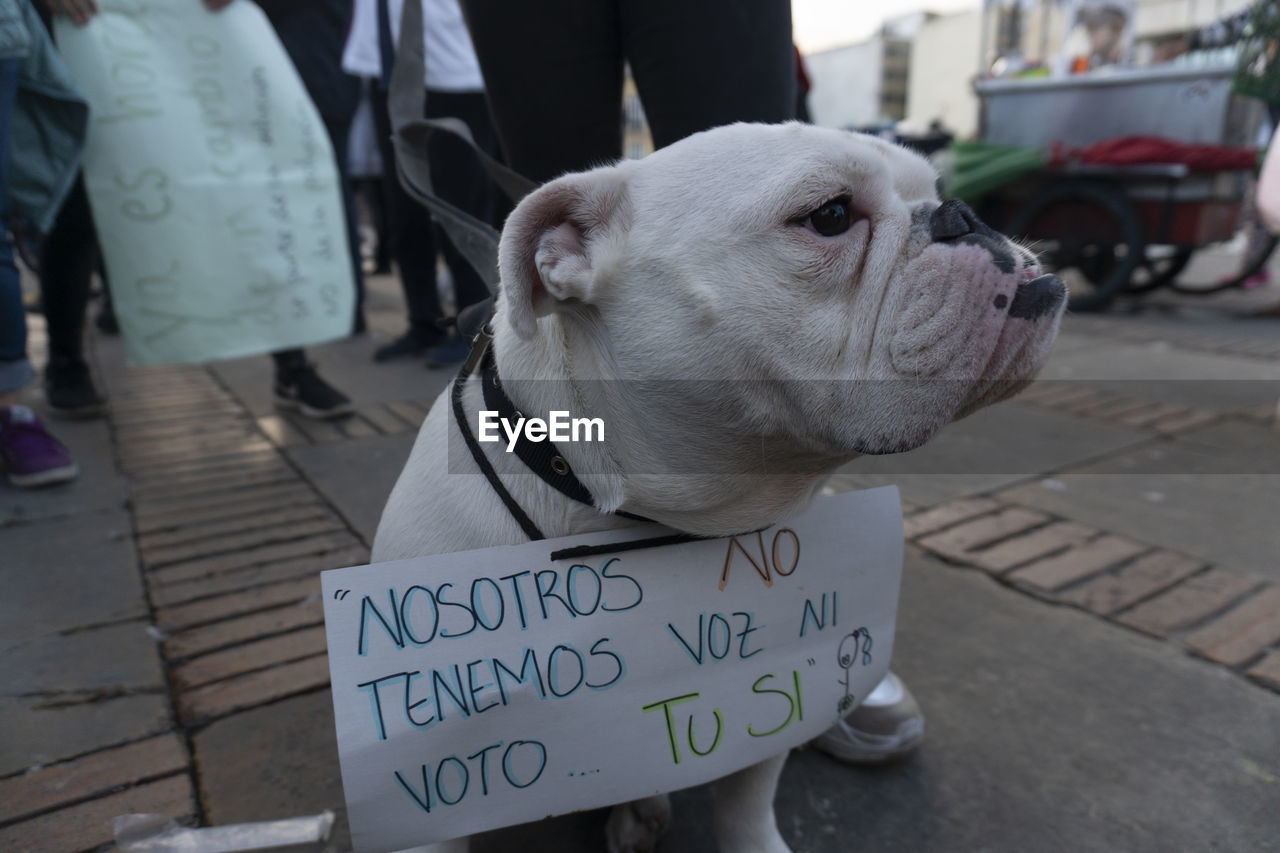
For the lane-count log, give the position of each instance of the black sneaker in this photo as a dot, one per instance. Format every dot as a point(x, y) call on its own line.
point(301, 388)
point(404, 346)
point(69, 390)
point(453, 350)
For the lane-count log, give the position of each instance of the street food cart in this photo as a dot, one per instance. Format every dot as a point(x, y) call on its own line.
point(1112, 228)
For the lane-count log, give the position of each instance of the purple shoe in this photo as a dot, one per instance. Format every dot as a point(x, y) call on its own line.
point(30, 455)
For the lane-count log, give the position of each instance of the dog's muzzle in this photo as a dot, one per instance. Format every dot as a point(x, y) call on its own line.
point(1038, 297)
point(954, 222)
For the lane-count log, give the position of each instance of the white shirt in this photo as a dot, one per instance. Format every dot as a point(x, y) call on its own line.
point(450, 58)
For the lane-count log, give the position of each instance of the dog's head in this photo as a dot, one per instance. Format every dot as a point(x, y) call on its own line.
point(814, 276)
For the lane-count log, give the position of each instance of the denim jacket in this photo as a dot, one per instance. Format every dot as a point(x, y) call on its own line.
point(49, 122)
point(15, 38)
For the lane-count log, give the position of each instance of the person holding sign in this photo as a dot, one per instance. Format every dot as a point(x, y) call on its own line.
point(49, 131)
point(284, 257)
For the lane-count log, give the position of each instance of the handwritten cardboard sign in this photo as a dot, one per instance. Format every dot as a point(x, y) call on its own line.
point(493, 687)
point(212, 183)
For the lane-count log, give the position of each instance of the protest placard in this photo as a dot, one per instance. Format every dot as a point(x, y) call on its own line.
point(492, 687)
point(212, 183)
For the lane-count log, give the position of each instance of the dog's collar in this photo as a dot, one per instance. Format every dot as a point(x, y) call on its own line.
point(542, 458)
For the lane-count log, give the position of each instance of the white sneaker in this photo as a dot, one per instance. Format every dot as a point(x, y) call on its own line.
point(888, 725)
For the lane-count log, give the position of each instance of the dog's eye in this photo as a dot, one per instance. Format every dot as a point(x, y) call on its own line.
point(832, 218)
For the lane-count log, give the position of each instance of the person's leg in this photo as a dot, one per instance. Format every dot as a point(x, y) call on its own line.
point(298, 386)
point(553, 75)
point(15, 369)
point(413, 246)
point(458, 178)
point(1258, 238)
point(339, 136)
point(29, 455)
point(702, 65)
point(66, 272)
point(106, 320)
point(374, 192)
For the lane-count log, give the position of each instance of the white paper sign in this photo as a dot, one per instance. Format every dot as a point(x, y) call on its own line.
point(212, 183)
point(493, 687)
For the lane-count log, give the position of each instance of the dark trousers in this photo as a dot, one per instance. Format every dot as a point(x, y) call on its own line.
point(339, 139)
point(67, 260)
point(15, 371)
point(553, 72)
point(458, 179)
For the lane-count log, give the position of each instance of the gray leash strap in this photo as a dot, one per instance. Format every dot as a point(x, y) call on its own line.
point(475, 240)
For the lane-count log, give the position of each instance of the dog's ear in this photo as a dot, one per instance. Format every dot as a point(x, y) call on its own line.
point(553, 244)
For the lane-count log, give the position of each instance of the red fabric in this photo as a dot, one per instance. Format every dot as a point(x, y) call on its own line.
point(1132, 150)
point(802, 73)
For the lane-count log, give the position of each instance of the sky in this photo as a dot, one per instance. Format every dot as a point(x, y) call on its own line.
point(822, 24)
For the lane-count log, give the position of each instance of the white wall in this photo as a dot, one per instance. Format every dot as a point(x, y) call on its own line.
point(944, 60)
point(846, 84)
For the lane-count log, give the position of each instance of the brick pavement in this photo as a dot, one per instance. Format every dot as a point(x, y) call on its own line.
point(228, 539)
point(229, 542)
point(1211, 611)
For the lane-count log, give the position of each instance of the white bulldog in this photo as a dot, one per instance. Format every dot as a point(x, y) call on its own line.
point(810, 281)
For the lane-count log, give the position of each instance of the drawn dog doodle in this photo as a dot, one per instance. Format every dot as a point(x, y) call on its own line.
point(852, 645)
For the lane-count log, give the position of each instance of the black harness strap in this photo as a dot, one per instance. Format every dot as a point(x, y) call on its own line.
point(522, 518)
point(542, 458)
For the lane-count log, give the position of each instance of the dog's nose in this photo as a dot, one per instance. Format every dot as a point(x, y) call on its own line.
point(954, 219)
point(954, 222)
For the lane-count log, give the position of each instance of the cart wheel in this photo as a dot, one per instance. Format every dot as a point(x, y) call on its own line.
point(1159, 271)
point(1086, 233)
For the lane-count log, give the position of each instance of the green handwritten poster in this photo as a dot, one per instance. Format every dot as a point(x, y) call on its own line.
point(212, 183)
point(492, 687)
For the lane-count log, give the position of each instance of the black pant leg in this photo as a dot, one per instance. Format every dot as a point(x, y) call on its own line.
point(66, 273)
point(339, 136)
point(288, 360)
point(460, 179)
point(714, 62)
point(413, 238)
point(553, 75)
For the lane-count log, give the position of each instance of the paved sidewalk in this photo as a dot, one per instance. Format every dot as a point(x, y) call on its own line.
point(1090, 612)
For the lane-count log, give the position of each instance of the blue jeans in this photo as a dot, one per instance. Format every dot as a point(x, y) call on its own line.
point(15, 370)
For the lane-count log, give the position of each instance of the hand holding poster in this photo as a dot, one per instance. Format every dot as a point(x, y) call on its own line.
point(486, 688)
point(212, 182)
